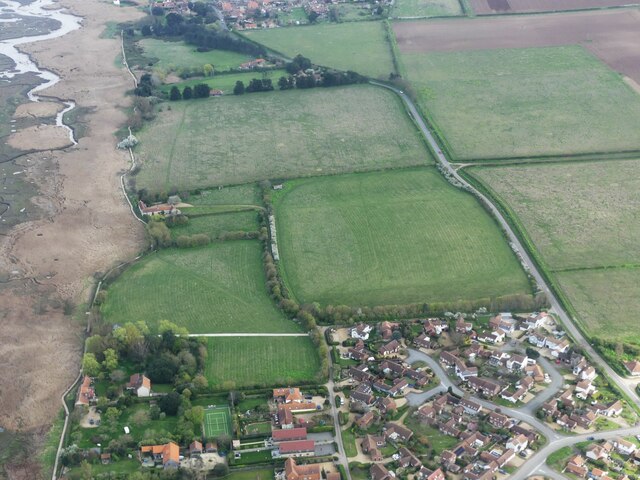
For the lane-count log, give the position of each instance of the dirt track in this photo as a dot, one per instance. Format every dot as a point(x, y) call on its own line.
point(612, 35)
point(87, 227)
point(488, 7)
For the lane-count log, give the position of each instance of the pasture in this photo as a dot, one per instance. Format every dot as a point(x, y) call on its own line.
point(217, 211)
point(362, 46)
point(605, 300)
point(236, 362)
point(173, 56)
point(490, 7)
point(277, 135)
point(494, 104)
point(579, 215)
point(217, 421)
point(426, 8)
point(390, 238)
point(211, 289)
point(225, 82)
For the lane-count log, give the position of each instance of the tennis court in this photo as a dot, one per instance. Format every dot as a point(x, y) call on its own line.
point(217, 421)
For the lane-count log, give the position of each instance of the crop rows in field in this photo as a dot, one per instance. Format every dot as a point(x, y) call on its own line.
point(217, 288)
point(223, 141)
point(390, 238)
point(254, 361)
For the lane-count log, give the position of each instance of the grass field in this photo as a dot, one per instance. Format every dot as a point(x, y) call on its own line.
point(525, 102)
point(361, 47)
point(216, 211)
point(236, 362)
point(212, 289)
point(227, 81)
point(582, 217)
point(217, 421)
point(390, 238)
point(605, 301)
point(426, 8)
point(260, 474)
point(175, 55)
point(279, 134)
point(578, 214)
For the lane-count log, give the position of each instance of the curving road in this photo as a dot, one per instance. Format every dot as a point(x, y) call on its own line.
point(556, 306)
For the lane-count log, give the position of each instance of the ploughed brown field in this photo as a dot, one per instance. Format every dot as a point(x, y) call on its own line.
point(611, 35)
point(490, 7)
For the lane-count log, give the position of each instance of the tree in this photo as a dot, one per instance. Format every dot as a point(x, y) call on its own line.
point(163, 368)
point(112, 414)
point(207, 69)
point(170, 403)
point(195, 415)
point(220, 470)
point(175, 94)
point(86, 471)
point(187, 93)
point(90, 365)
point(159, 232)
point(110, 362)
point(146, 30)
point(157, 11)
point(201, 90)
point(239, 88)
point(313, 16)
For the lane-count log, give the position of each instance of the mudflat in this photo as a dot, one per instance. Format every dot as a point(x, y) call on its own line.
point(48, 264)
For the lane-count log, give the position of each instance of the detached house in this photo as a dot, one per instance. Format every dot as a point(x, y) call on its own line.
point(390, 348)
point(167, 454)
point(86, 393)
point(140, 384)
point(633, 368)
point(361, 331)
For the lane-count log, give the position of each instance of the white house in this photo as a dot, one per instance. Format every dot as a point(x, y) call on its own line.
point(140, 384)
point(361, 331)
point(518, 443)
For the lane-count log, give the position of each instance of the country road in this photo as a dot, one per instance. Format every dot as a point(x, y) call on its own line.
point(556, 306)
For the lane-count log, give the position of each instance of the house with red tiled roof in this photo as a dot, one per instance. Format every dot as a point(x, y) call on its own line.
point(293, 471)
point(287, 395)
point(633, 367)
point(289, 434)
point(140, 384)
point(298, 448)
point(167, 454)
point(86, 393)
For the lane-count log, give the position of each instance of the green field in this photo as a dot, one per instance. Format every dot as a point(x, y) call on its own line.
point(212, 289)
point(390, 238)
point(426, 8)
point(217, 421)
point(216, 211)
point(261, 474)
point(236, 362)
point(361, 47)
point(577, 214)
point(175, 55)
point(525, 102)
point(225, 82)
point(606, 301)
point(279, 134)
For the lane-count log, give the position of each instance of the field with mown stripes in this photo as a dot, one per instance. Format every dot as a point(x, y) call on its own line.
point(211, 289)
point(390, 238)
point(239, 362)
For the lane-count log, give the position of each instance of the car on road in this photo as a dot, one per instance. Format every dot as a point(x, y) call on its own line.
point(591, 438)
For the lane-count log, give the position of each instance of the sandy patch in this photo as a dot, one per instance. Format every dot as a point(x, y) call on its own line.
point(632, 83)
point(40, 137)
point(37, 109)
point(88, 227)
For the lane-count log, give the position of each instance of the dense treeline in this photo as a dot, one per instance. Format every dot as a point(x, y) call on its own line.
point(160, 235)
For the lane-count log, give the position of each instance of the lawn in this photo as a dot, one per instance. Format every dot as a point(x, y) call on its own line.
point(525, 102)
point(606, 301)
point(216, 224)
point(261, 428)
point(362, 46)
point(176, 55)
point(217, 421)
point(390, 238)
point(212, 289)
point(279, 134)
point(577, 214)
point(438, 441)
point(349, 442)
point(260, 474)
point(236, 362)
point(227, 81)
point(426, 8)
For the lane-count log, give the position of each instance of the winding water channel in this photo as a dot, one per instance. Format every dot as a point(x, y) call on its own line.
point(36, 21)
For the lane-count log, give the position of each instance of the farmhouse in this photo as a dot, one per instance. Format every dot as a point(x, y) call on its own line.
point(86, 393)
point(159, 209)
point(287, 395)
point(167, 454)
point(140, 384)
point(293, 471)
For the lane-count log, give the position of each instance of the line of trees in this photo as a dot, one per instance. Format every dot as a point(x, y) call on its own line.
point(255, 85)
point(201, 90)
